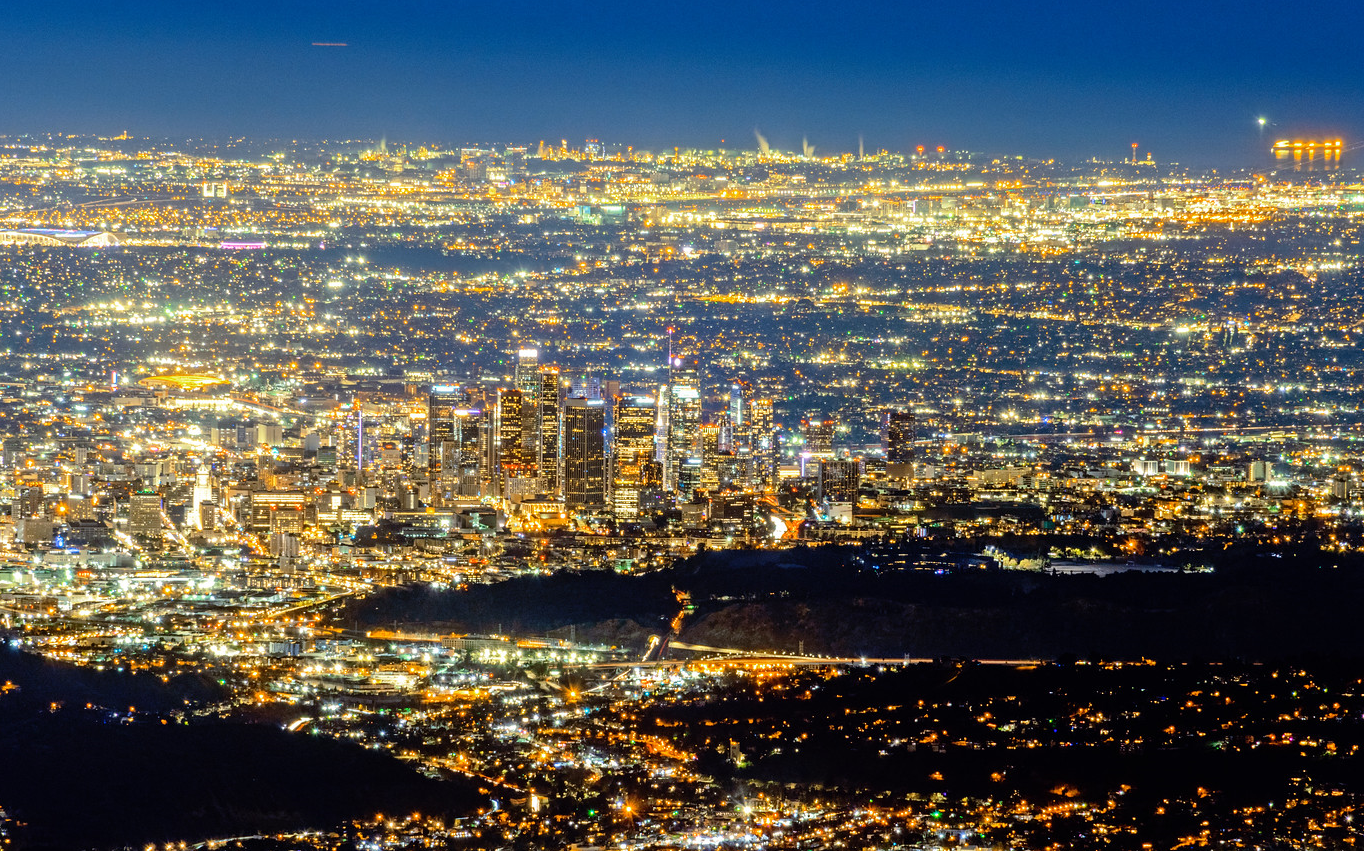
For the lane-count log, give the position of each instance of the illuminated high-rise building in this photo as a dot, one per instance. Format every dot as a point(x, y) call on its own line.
point(740, 404)
point(684, 427)
point(527, 381)
point(899, 444)
point(351, 438)
point(518, 467)
point(839, 481)
point(441, 405)
point(651, 493)
point(201, 495)
point(724, 439)
point(511, 449)
point(550, 401)
point(690, 472)
point(527, 376)
point(819, 438)
point(737, 432)
point(684, 417)
point(584, 453)
point(711, 462)
point(585, 386)
point(144, 514)
point(464, 455)
point(763, 441)
point(632, 452)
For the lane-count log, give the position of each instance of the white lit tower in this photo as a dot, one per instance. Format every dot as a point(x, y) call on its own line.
point(549, 429)
point(739, 440)
point(527, 380)
point(201, 499)
point(684, 417)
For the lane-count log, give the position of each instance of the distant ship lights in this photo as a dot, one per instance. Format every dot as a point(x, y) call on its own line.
point(1310, 151)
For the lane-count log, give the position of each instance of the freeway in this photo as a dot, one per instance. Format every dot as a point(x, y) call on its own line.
point(32, 614)
point(1104, 433)
point(748, 657)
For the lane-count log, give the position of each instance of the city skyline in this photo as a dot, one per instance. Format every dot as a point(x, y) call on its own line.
point(372, 489)
point(1189, 84)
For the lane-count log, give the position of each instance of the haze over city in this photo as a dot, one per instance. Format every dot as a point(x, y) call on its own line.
point(1067, 78)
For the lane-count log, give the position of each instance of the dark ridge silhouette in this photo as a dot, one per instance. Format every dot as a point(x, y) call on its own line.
point(79, 784)
point(1255, 605)
point(44, 682)
point(81, 771)
point(525, 605)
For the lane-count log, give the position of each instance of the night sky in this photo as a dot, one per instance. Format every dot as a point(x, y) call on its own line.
point(1186, 80)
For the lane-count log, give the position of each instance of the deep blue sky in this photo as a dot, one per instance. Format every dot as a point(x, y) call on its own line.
point(1185, 79)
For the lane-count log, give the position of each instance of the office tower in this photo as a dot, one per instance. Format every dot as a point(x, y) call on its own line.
point(349, 439)
point(144, 514)
point(839, 481)
point(202, 493)
point(736, 462)
point(738, 402)
point(632, 452)
point(527, 380)
point(899, 444)
point(724, 440)
point(518, 466)
point(584, 453)
point(716, 461)
point(735, 513)
point(763, 441)
point(441, 405)
point(684, 417)
point(690, 472)
point(819, 438)
point(266, 507)
point(469, 452)
point(527, 376)
point(739, 417)
point(489, 476)
point(374, 425)
point(585, 387)
point(269, 434)
point(548, 425)
point(651, 494)
point(684, 426)
point(610, 389)
point(1340, 486)
point(510, 430)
